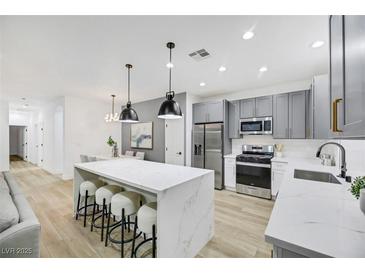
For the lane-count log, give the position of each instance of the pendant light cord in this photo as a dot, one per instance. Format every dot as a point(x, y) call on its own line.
point(129, 84)
point(170, 68)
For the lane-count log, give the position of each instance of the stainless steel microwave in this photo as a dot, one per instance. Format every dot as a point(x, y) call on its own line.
point(256, 126)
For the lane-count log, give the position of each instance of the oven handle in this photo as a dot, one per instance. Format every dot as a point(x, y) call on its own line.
point(253, 164)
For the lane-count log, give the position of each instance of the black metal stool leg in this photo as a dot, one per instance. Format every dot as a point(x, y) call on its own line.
point(93, 217)
point(122, 235)
point(144, 236)
point(134, 235)
point(154, 241)
point(129, 224)
point(102, 221)
point(85, 208)
point(78, 206)
point(108, 225)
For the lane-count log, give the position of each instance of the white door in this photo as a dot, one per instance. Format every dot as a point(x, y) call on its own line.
point(25, 143)
point(36, 144)
point(174, 142)
point(40, 144)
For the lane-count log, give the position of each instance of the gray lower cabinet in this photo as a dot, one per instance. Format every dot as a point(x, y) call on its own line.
point(247, 108)
point(233, 119)
point(297, 115)
point(281, 116)
point(263, 106)
point(347, 76)
point(208, 112)
point(289, 115)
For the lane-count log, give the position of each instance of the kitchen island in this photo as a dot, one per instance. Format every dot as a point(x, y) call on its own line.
point(315, 219)
point(184, 195)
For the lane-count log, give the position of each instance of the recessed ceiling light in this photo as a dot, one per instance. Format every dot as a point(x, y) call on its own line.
point(170, 65)
point(317, 44)
point(248, 35)
point(202, 84)
point(263, 69)
point(222, 68)
point(25, 106)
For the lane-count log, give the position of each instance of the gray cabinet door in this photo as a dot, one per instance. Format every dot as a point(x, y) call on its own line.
point(352, 112)
point(321, 107)
point(263, 106)
point(200, 113)
point(247, 108)
point(233, 119)
point(215, 112)
point(297, 114)
point(281, 116)
point(336, 66)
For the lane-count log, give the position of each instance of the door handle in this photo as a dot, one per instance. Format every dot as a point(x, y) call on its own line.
point(335, 115)
point(179, 153)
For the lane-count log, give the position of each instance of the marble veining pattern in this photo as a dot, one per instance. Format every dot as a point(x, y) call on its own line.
point(317, 218)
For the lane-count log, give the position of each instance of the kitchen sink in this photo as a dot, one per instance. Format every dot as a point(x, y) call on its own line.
point(315, 176)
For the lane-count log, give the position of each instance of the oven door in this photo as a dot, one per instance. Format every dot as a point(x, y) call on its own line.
point(251, 127)
point(253, 179)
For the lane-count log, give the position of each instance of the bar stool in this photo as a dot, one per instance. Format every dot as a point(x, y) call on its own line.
point(103, 197)
point(123, 204)
point(146, 221)
point(87, 189)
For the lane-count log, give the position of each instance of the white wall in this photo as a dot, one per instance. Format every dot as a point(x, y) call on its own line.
point(86, 132)
point(4, 135)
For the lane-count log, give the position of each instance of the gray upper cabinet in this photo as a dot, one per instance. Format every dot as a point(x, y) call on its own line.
point(297, 115)
point(321, 106)
point(281, 116)
point(247, 107)
point(263, 106)
point(208, 112)
point(199, 113)
point(215, 112)
point(347, 76)
point(233, 119)
point(289, 115)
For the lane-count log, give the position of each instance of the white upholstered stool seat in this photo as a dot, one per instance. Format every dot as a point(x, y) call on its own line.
point(130, 201)
point(87, 189)
point(147, 217)
point(146, 220)
point(90, 186)
point(106, 192)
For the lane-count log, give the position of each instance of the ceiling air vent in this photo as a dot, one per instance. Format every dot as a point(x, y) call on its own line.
point(199, 55)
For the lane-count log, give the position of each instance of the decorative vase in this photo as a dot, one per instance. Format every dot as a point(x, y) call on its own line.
point(362, 200)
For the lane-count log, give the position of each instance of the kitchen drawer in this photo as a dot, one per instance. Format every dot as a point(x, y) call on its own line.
point(230, 161)
point(279, 166)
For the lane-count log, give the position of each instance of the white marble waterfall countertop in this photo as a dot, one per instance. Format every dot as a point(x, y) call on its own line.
point(316, 219)
point(151, 176)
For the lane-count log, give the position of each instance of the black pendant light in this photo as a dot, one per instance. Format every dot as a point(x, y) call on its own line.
point(128, 115)
point(170, 109)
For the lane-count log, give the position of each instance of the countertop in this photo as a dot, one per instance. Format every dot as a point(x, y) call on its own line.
point(232, 155)
point(316, 219)
point(148, 175)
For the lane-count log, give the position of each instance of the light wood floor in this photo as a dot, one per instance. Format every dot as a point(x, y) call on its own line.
point(240, 220)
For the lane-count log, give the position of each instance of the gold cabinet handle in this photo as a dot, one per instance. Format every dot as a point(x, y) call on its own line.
point(335, 115)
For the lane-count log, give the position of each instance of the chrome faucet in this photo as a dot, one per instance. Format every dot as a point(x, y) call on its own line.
point(343, 157)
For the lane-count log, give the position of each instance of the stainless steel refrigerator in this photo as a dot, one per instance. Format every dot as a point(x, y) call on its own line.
point(208, 149)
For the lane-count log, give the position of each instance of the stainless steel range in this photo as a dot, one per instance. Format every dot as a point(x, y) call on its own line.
point(253, 170)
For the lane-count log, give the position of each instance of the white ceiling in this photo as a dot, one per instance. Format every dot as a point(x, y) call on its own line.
point(46, 56)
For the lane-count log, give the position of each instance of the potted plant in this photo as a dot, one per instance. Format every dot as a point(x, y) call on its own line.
point(358, 190)
point(114, 146)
